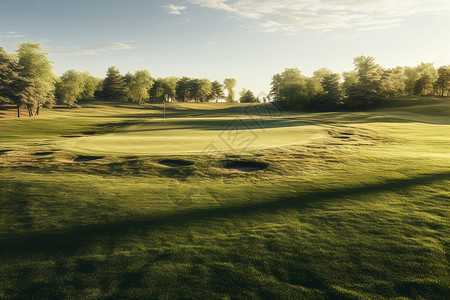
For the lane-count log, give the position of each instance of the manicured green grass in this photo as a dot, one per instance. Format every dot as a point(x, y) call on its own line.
point(352, 205)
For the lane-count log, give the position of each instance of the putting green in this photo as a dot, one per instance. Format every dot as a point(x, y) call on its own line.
point(188, 135)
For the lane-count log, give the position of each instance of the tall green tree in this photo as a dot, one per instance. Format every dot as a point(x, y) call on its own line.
point(183, 89)
point(203, 90)
point(350, 78)
point(164, 89)
point(424, 85)
point(37, 68)
point(442, 84)
point(157, 90)
point(314, 84)
point(13, 87)
point(139, 85)
point(366, 91)
point(217, 91)
point(91, 86)
point(230, 84)
point(289, 89)
point(421, 78)
point(331, 94)
point(169, 86)
point(114, 86)
point(70, 87)
point(247, 96)
point(393, 82)
point(411, 76)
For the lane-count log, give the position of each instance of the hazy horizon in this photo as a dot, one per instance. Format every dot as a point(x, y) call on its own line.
point(245, 39)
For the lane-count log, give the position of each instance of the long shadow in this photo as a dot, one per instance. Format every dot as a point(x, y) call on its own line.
point(70, 241)
point(180, 111)
point(223, 125)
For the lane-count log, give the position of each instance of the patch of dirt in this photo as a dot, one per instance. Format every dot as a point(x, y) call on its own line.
point(83, 158)
point(246, 166)
point(175, 163)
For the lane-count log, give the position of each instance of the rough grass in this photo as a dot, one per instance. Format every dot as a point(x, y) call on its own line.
point(361, 212)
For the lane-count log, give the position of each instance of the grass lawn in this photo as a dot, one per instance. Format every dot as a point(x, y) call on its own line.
point(351, 205)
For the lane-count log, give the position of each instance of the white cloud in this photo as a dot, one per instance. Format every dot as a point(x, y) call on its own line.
point(326, 15)
point(91, 50)
point(174, 9)
point(11, 34)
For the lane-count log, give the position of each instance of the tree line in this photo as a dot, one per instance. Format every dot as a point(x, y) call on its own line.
point(28, 81)
point(366, 86)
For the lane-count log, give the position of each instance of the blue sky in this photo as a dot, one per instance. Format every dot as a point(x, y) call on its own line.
point(249, 40)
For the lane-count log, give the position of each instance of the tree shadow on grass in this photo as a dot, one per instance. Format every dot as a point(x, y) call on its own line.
point(220, 125)
point(70, 241)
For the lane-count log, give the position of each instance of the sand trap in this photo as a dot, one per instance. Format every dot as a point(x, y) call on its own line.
point(82, 158)
point(42, 153)
point(246, 166)
point(175, 163)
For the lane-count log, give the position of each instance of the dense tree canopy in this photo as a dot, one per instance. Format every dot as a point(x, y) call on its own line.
point(442, 84)
point(230, 84)
point(247, 96)
point(217, 91)
point(139, 86)
point(92, 85)
point(13, 87)
point(289, 89)
point(37, 68)
point(70, 87)
point(330, 94)
point(367, 85)
point(114, 85)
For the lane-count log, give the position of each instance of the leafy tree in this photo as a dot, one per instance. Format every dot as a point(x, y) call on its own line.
point(421, 78)
point(38, 69)
point(423, 85)
point(164, 89)
point(157, 90)
point(230, 84)
point(247, 96)
point(331, 93)
point(169, 85)
point(217, 91)
point(139, 86)
point(183, 89)
point(70, 87)
point(393, 82)
point(114, 87)
point(366, 91)
point(289, 89)
point(91, 86)
point(13, 87)
point(98, 94)
point(411, 76)
point(314, 84)
point(203, 90)
point(350, 78)
point(442, 84)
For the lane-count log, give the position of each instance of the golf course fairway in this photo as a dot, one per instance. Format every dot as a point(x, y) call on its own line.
point(112, 201)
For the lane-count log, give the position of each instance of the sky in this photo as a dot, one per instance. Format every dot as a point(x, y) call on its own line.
point(250, 40)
